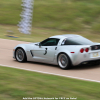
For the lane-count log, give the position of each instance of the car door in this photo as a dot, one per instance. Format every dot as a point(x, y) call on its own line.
point(50, 53)
point(38, 53)
point(46, 50)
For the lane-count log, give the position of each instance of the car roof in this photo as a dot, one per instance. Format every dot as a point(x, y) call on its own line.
point(65, 36)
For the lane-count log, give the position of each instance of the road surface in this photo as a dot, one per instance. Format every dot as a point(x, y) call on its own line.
point(80, 72)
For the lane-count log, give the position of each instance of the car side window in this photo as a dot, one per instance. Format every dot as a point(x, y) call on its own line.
point(69, 42)
point(50, 42)
point(63, 42)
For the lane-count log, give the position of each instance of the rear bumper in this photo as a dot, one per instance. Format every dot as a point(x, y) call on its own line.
point(91, 61)
point(85, 58)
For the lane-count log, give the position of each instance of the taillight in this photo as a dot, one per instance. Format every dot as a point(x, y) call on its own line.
point(82, 50)
point(87, 49)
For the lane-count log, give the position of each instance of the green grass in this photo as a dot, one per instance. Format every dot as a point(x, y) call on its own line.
point(16, 84)
point(67, 15)
point(39, 34)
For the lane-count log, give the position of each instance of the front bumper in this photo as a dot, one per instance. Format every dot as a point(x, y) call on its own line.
point(14, 53)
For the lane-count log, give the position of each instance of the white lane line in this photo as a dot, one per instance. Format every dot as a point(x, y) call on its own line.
point(52, 73)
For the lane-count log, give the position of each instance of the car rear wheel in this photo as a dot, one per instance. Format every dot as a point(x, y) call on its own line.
point(64, 61)
point(20, 55)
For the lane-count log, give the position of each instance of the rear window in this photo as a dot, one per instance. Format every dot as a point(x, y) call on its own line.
point(79, 40)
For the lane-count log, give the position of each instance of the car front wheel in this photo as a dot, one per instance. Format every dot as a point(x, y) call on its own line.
point(20, 55)
point(64, 61)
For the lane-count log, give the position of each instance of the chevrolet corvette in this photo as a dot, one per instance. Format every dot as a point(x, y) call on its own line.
point(64, 50)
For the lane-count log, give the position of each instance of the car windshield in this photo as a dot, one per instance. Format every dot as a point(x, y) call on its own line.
point(79, 40)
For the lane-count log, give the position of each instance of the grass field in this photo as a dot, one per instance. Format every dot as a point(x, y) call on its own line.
point(16, 84)
point(39, 34)
point(50, 17)
point(67, 15)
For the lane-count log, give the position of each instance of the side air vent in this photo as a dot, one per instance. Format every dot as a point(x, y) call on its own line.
point(31, 53)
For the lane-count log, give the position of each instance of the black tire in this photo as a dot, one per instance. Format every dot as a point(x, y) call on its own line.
point(20, 55)
point(64, 61)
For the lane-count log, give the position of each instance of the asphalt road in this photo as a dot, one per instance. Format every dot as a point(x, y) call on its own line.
point(6, 58)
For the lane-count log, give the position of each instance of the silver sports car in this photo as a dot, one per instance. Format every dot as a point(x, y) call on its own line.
point(64, 50)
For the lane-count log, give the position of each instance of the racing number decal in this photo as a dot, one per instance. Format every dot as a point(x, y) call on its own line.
point(45, 51)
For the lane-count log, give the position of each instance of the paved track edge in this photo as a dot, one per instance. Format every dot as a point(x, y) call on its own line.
point(51, 73)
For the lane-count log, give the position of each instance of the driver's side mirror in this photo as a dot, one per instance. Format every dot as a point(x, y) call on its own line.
point(40, 45)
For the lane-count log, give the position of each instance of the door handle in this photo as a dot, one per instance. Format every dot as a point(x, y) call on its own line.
point(55, 48)
point(45, 51)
